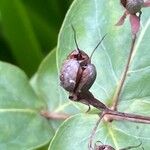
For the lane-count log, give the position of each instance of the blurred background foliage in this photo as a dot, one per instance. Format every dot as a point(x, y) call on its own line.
point(29, 30)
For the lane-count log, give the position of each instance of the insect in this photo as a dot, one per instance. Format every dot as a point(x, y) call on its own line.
point(77, 73)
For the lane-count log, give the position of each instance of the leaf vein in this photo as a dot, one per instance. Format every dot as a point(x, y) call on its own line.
point(109, 59)
point(139, 70)
point(137, 137)
point(3, 110)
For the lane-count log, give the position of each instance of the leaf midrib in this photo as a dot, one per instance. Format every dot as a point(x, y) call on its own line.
point(4, 110)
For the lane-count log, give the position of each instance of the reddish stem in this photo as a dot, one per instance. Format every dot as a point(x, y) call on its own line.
point(122, 81)
point(110, 115)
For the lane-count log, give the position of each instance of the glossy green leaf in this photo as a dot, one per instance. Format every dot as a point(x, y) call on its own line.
point(91, 20)
point(21, 124)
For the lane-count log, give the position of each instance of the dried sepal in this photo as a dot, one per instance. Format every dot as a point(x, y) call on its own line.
point(132, 8)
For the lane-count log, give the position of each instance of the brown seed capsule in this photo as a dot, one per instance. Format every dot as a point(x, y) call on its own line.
point(77, 73)
point(80, 56)
point(133, 6)
point(87, 78)
point(123, 2)
point(70, 72)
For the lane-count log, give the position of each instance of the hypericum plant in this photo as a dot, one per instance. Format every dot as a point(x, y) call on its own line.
point(32, 117)
point(77, 75)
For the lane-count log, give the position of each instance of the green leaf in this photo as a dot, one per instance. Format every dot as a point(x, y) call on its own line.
point(74, 134)
point(78, 127)
point(91, 20)
point(19, 33)
point(21, 124)
point(47, 86)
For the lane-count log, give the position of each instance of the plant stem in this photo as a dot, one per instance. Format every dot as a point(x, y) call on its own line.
point(93, 133)
point(121, 83)
point(88, 99)
point(110, 115)
point(54, 116)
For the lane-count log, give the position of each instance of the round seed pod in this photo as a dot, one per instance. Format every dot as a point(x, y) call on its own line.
point(133, 6)
point(69, 74)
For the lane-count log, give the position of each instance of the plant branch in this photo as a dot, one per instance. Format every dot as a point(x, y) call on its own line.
point(121, 83)
point(106, 114)
point(54, 115)
point(110, 115)
point(93, 133)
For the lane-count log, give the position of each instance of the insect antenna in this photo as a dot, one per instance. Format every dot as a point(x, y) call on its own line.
point(97, 45)
point(75, 38)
